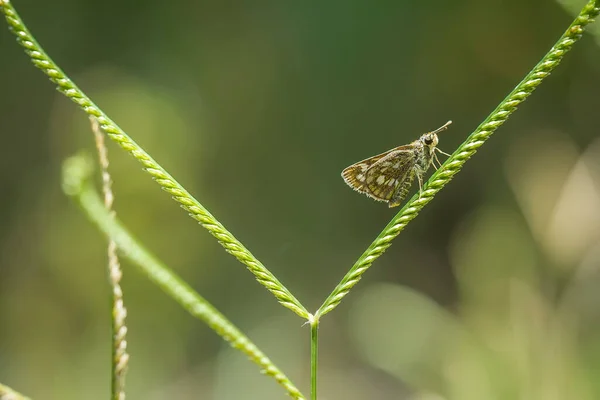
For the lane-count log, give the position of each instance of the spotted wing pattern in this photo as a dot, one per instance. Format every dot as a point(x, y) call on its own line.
point(354, 175)
point(380, 176)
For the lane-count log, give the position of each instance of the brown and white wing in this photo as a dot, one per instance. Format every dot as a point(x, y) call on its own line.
point(354, 175)
point(384, 176)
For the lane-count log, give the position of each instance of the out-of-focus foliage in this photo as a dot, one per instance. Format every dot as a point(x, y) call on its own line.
point(256, 107)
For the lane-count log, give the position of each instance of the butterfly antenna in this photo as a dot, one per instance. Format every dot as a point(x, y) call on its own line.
point(442, 128)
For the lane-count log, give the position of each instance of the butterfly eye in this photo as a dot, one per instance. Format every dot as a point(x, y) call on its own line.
point(428, 140)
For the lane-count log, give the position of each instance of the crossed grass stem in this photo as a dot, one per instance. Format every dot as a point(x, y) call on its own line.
point(411, 209)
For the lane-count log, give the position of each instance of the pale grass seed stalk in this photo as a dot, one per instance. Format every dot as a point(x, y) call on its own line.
point(7, 393)
point(120, 357)
point(76, 183)
point(454, 164)
point(64, 85)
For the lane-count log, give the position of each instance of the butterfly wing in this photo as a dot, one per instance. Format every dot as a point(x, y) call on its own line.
point(378, 176)
point(355, 175)
point(387, 174)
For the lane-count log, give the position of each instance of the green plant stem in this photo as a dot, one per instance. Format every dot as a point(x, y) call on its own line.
point(64, 85)
point(314, 353)
point(454, 164)
point(9, 394)
point(76, 183)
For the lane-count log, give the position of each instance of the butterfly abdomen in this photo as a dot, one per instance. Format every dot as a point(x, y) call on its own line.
point(402, 190)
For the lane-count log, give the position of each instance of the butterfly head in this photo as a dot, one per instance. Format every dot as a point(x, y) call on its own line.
point(430, 139)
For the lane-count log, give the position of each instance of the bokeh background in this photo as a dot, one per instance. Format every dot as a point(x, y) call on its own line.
point(256, 107)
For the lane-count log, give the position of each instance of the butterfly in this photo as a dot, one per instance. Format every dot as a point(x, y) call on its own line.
point(388, 176)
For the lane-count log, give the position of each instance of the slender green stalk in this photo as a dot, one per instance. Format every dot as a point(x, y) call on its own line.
point(120, 357)
point(64, 85)
point(7, 393)
point(314, 353)
point(572, 7)
point(454, 164)
point(76, 183)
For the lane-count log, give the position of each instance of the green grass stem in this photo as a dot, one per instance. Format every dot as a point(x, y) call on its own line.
point(465, 151)
point(76, 183)
point(314, 353)
point(196, 210)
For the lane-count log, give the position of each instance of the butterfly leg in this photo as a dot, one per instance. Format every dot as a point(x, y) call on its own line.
point(435, 158)
point(420, 179)
point(443, 152)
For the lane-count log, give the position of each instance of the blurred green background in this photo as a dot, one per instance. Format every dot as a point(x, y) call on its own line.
point(256, 107)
